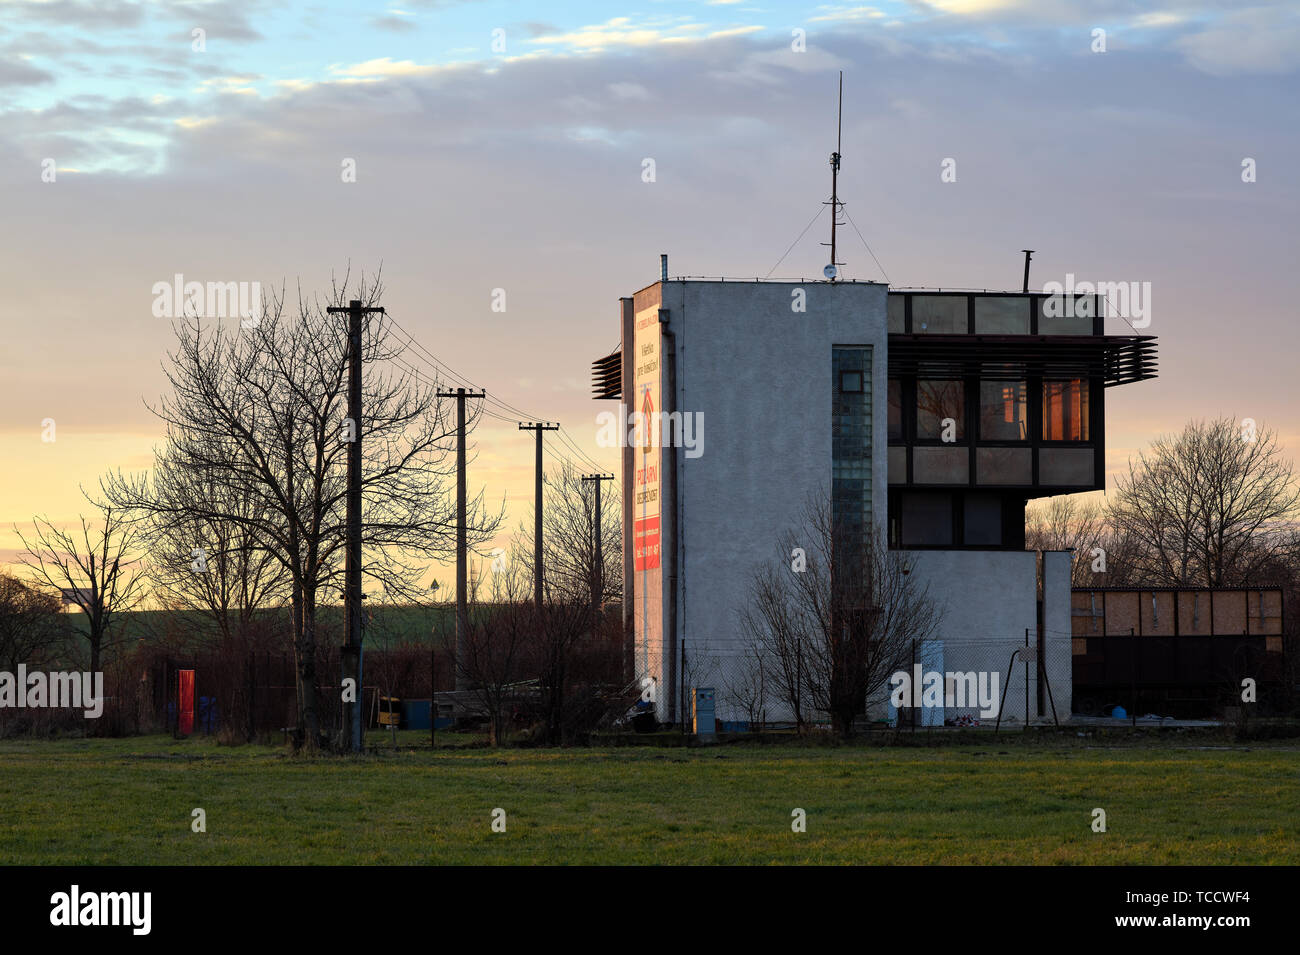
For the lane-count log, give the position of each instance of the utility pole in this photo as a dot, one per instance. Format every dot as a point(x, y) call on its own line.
point(351, 654)
point(538, 427)
point(462, 586)
point(598, 566)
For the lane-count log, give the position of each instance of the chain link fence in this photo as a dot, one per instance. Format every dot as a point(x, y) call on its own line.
point(953, 683)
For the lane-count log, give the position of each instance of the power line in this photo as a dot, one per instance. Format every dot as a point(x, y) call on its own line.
point(423, 354)
point(494, 415)
point(1119, 314)
point(796, 241)
point(577, 465)
point(864, 242)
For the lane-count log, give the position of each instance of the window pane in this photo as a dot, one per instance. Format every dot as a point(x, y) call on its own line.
point(936, 401)
point(851, 465)
point(1004, 410)
point(927, 520)
point(1065, 410)
point(983, 520)
point(895, 409)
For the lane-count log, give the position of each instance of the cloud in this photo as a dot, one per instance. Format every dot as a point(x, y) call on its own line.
point(847, 14)
point(470, 180)
point(622, 32)
point(537, 28)
point(629, 91)
point(16, 71)
point(394, 24)
point(1160, 19)
point(774, 66)
point(1254, 40)
point(83, 14)
point(383, 68)
point(224, 20)
point(242, 84)
point(972, 7)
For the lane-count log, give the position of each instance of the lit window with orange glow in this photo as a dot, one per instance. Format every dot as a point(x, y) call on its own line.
point(1004, 411)
point(1065, 410)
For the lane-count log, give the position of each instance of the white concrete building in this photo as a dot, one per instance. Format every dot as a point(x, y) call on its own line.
point(929, 417)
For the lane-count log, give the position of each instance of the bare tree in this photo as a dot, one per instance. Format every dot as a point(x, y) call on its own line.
point(746, 686)
point(261, 413)
point(1209, 506)
point(499, 643)
point(1072, 522)
point(213, 565)
point(837, 613)
point(31, 624)
point(92, 570)
point(569, 541)
point(389, 663)
point(560, 627)
point(779, 625)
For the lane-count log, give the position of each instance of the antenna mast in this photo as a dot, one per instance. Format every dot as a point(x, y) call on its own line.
point(832, 270)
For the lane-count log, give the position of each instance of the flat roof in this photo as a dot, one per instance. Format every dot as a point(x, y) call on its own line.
point(716, 280)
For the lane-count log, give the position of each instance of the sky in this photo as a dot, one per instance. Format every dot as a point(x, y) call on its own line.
point(503, 146)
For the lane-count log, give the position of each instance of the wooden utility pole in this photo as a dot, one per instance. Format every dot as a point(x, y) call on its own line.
point(598, 566)
point(538, 427)
point(351, 654)
point(462, 575)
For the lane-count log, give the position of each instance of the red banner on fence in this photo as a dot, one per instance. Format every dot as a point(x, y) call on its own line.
point(185, 701)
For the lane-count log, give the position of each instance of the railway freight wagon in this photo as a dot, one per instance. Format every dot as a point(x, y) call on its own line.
point(1180, 652)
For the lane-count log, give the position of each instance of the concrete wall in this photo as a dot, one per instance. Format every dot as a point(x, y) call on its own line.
point(987, 599)
point(1057, 637)
point(760, 375)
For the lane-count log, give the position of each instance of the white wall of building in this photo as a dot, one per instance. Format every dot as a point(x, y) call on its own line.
point(760, 375)
point(987, 600)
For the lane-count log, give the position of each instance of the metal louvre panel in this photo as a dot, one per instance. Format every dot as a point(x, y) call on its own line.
point(1117, 359)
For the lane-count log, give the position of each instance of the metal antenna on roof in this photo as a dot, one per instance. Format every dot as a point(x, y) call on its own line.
point(831, 271)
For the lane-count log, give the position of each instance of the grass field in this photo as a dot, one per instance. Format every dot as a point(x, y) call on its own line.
point(129, 801)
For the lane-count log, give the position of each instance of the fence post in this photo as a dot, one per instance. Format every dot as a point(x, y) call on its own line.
point(1133, 695)
point(681, 690)
point(433, 698)
point(252, 693)
point(1026, 681)
point(913, 706)
point(798, 685)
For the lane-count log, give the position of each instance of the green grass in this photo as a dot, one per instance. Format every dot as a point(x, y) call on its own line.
point(107, 802)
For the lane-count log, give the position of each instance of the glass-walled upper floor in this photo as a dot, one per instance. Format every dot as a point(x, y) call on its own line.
point(937, 409)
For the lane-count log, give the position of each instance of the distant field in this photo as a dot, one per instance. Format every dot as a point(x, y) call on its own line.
point(109, 802)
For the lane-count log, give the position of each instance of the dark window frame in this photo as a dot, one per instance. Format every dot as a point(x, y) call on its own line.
point(963, 437)
point(987, 441)
point(1010, 518)
point(1085, 442)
